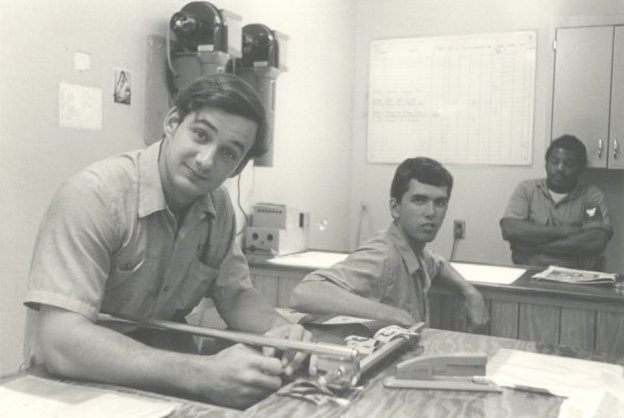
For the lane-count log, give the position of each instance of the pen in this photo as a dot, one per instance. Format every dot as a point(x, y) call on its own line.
point(483, 380)
point(533, 389)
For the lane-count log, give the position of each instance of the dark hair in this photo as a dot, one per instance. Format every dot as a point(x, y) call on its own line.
point(569, 143)
point(231, 94)
point(423, 169)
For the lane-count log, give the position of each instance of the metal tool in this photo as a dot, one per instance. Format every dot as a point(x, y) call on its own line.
point(395, 338)
point(321, 349)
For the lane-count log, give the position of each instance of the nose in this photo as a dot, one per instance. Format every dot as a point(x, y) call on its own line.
point(205, 157)
point(430, 209)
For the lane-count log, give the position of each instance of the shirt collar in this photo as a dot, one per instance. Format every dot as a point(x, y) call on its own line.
point(543, 186)
point(405, 251)
point(151, 193)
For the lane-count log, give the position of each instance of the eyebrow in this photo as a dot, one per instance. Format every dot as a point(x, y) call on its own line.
point(210, 125)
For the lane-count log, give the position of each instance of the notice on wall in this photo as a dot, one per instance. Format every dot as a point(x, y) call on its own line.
point(459, 99)
point(80, 107)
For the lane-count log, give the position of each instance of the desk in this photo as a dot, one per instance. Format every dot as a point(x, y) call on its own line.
point(377, 401)
point(583, 317)
point(380, 402)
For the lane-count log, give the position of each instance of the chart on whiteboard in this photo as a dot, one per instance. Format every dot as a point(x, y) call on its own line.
point(459, 99)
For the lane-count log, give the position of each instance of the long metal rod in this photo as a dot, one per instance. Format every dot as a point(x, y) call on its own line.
point(386, 350)
point(325, 349)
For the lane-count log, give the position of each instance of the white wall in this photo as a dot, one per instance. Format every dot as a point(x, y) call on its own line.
point(312, 157)
point(480, 192)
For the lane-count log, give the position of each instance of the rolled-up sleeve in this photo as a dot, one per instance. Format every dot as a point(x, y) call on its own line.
point(364, 273)
point(596, 214)
point(519, 202)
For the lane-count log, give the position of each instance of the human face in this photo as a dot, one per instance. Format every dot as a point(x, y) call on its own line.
point(420, 212)
point(562, 170)
point(200, 152)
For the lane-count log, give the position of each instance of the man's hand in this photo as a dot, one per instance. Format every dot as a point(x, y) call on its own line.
point(476, 311)
point(291, 360)
point(243, 377)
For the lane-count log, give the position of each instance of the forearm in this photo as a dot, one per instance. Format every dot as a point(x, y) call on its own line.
point(77, 348)
point(248, 311)
point(587, 242)
point(522, 232)
point(450, 278)
point(476, 310)
point(326, 298)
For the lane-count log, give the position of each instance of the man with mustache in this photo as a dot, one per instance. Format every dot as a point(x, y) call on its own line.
point(149, 233)
point(388, 277)
point(558, 220)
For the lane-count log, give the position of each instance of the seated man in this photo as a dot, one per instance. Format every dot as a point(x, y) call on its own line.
point(149, 233)
point(558, 220)
point(388, 277)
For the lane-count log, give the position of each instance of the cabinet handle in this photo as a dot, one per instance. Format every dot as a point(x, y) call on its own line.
point(600, 146)
point(616, 148)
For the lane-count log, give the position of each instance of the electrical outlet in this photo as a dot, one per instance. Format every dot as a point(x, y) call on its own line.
point(459, 229)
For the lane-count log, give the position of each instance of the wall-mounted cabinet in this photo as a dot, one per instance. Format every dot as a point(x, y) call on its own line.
point(588, 97)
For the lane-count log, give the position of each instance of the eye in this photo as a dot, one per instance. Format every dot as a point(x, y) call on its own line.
point(420, 200)
point(229, 154)
point(441, 203)
point(199, 135)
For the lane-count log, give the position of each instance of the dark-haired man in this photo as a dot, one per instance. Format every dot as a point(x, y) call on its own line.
point(558, 220)
point(388, 277)
point(150, 233)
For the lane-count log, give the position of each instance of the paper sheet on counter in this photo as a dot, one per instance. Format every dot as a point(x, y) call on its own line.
point(592, 389)
point(312, 259)
point(36, 397)
point(483, 273)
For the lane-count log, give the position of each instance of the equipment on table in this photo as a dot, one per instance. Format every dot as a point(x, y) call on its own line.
point(442, 372)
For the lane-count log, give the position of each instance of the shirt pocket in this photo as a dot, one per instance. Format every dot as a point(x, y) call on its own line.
point(123, 272)
point(127, 284)
point(196, 285)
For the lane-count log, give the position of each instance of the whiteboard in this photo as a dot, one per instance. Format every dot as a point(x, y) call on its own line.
point(458, 99)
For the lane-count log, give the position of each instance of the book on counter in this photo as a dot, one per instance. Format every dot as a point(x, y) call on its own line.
point(573, 276)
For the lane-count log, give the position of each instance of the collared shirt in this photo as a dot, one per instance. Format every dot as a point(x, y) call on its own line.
point(385, 269)
point(583, 207)
point(109, 243)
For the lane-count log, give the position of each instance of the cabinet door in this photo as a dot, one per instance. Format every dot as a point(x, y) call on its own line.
point(582, 88)
point(616, 139)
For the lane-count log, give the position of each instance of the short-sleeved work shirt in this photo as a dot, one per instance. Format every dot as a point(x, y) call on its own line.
point(584, 207)
point(109, 243)
point(385, 269)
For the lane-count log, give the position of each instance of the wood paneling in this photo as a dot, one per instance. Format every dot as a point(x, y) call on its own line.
point(578, 328)
point(610, 332)
point(504, 319)
point(539, 323)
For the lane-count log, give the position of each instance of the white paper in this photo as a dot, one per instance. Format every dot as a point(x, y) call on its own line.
point(588, 386)
point(37, 397)
point(80, 107)
point(312, 259)
point(488, 274)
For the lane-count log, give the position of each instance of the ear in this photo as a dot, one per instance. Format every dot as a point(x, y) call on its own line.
point(172, 120)
point(394, 208)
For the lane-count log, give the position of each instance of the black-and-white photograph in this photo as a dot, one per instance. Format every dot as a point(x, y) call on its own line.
point(312, 208)
point(122, 86)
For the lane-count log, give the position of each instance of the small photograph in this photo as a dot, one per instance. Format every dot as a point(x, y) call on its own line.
point(122, 86)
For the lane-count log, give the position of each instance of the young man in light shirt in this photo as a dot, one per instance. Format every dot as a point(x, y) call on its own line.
point(150, 233)
point(388, 277)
